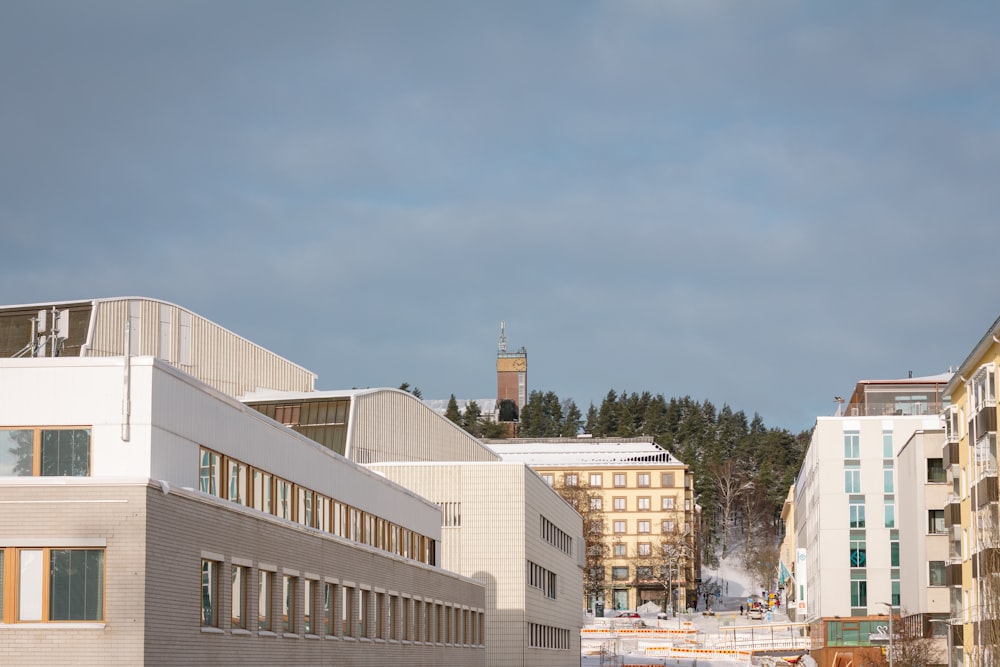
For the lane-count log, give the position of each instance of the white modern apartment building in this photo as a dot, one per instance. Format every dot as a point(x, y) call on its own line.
point(149, 519)
point(854, 513)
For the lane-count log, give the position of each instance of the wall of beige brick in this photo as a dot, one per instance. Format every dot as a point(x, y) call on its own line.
point(155, 543)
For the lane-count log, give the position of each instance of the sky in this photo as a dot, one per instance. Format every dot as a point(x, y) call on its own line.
point(752, 203)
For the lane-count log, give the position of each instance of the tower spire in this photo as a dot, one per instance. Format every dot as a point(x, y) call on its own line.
point(503, 337)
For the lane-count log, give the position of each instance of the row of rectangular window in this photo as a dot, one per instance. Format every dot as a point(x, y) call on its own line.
point(329, 609)
point(547, 636)
point(619, 479)
point(51, 585)
point(555, 536)
point(643, 526)
point(542, 579)
point(233, 480)
point(45, 452)
point(642, 504)
point(642, 573)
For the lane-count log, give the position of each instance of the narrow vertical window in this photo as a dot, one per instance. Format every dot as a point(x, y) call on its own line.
point(238, 598)
point(264, 587)
point(237, 476)
point(209, 475)
point(308, 602)
point(209, 593)
point(328, 598)
point(288, 603)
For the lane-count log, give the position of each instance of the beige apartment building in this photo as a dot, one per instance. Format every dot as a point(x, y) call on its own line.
point(971, 516)
point(644, 511)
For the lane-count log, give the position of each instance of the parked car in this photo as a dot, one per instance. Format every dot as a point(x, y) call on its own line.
point(626, 614)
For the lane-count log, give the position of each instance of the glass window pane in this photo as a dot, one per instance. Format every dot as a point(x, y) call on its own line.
point(29, 606)
point(17, 453)
point(264, 600)
point(76, 584)
point(209, 593)
point(237, 613)
point(65, 452)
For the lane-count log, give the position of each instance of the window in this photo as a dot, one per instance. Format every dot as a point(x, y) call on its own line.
point(890, 515)
point(619, 573)
point(887, 452)
point(44, 452)
point(619, 527)
point(595, 480)
point(857, 511)
point(852, 445)
point(645, 549)
point(236, 473)
point(852, 479)
point(238, 598)
point(619, 479)
point(642, 479)
point(347, 612)
point(262, 491)
point(305, 507)
point(644, 526)
point(619, 504)
point(264, 587)
point(859, 556)
point(65, 452)
point(620, 550)
point(308, 606)
point(643, 504)
point(936, 573)
point(329, 595)
point(667, 502)
point(596, 503)
point(935, 521)
point(666, 479)
point(209, 593)
point(859, 593)
point(210, 473)
point(571, 479)
point(548, 479)
point(668, 526)
point(887, 483)
point(51, 584)
point(288, 603)
point(935, 471)
point(283, 507)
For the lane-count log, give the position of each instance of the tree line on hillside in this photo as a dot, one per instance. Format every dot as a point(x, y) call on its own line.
point(742, 469)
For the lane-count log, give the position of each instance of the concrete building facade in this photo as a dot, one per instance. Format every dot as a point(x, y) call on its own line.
point(186, 528)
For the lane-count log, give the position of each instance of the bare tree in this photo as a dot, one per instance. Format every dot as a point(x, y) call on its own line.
point(667, 565)
point(587, 505)
point(731, 483)
point(912, 644)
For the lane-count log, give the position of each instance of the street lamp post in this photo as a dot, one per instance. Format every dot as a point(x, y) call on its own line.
point(947, 627)
point(890, 630)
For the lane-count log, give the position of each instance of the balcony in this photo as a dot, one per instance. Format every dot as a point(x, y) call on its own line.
point(986, 490)
point(953, 574)
point(949, 454)
point(952, 511)
point(985, 421)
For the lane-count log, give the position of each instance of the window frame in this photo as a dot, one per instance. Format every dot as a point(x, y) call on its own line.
point(38, 447)
point(210, 593)
point(44, 590)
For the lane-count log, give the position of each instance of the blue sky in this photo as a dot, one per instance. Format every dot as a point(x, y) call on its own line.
point(753, 203)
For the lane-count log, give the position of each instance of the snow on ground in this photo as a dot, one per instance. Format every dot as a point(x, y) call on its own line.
point(736, 585)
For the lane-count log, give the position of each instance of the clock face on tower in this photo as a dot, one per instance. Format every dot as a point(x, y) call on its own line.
point(520, 364)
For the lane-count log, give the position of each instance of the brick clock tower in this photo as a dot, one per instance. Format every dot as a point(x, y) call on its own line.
point(512, 382)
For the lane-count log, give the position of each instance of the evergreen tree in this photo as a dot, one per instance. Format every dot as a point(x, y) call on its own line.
point(572, 422)
point(471, 419)
point(452, 412)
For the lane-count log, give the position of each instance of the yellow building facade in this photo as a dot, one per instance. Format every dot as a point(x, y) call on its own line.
point(971, 511)
point(642, 505)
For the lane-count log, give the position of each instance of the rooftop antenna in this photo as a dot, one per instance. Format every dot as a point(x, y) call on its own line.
point(503, 337)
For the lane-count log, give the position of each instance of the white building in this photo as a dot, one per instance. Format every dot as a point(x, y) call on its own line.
point(151, 519)
point(863, 531)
